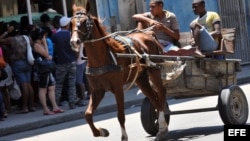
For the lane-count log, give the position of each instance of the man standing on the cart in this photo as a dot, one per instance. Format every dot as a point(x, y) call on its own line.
point(206, 28)
point(166, 28)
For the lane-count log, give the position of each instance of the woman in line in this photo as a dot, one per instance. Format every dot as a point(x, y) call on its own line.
point(46, 80)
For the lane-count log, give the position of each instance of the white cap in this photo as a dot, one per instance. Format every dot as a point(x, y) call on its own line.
point(64, 21)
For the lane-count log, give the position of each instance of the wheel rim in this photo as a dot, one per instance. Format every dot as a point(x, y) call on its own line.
point(237, 109)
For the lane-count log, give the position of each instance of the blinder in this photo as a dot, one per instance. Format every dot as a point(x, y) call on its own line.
point(88, 25)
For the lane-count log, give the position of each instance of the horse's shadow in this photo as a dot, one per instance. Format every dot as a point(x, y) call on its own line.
point(192, 133)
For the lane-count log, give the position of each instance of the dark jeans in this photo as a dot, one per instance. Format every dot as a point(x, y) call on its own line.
point(1, 106)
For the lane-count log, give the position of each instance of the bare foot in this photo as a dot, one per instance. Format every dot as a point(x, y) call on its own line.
point(198, 54)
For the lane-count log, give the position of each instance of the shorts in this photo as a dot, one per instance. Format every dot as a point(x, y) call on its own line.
point(22, 71)
point(207, 42)
point(170, 47)
point(46, 80)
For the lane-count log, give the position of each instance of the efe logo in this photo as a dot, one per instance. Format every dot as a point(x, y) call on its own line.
point(241, 132)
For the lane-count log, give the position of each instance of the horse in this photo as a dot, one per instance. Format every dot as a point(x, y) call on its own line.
point(106, 71)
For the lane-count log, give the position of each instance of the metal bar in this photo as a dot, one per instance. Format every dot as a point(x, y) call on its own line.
point(175, 58)
point(29, 11)
point(193, 110)
point(64, 8)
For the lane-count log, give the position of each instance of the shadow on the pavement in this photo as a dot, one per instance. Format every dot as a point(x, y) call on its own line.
point(192, 133)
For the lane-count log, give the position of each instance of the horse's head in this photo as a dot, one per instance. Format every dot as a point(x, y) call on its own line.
point(82, 24)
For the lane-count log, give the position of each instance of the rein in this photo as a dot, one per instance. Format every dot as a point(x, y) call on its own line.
point(117, 32)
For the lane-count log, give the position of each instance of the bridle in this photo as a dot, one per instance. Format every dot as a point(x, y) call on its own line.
point(88, 24)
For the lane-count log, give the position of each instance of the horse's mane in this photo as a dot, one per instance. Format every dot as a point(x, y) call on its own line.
point(113, 44)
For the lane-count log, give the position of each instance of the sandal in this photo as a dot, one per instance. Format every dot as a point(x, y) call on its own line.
point(49, 113)
point(23, 112)
point(58, 110)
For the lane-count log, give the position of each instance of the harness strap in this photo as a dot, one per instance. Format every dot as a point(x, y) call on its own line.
point(138, 65)
point(102, 69)
point(128, 42)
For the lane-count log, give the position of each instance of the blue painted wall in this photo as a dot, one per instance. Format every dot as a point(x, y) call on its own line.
point(248, 15)
point(183, 10)
point(106, 9)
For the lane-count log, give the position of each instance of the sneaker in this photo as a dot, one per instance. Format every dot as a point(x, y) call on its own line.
point(72, 105)
point(64, 103)
point(87, 96)
point(81, 103)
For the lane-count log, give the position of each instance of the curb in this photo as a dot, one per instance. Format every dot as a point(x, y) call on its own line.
point(61, 118)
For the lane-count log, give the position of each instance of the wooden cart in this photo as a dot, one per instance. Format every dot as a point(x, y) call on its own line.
point(196, 78)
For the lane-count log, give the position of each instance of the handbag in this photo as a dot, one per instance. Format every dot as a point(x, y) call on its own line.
point(45, 66)
point(30, 56)
point(15, 92)
point(3, 74)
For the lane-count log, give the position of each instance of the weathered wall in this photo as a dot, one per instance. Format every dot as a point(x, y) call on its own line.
point(126, 9)
point(8, 8)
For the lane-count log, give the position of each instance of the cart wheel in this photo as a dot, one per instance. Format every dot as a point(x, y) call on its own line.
point(233, 106)
point(149, 117)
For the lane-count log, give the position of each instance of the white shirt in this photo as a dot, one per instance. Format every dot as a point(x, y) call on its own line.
point(79, 59)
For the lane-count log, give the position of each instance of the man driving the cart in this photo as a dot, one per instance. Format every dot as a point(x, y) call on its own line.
point(166, 29)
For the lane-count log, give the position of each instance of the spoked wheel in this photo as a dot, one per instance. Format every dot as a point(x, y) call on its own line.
point(149, 117)
point(233, 106)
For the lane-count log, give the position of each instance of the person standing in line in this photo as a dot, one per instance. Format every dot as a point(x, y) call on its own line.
point(80, 71)
point(17, 55)
point(56, 23)
point(24, 25)
point(45, 21)
point(12, 30)
point(206, 28)
point(66, 62)
point(1, 107)
point(46, 80)
point(3, 76)
point(48, 35)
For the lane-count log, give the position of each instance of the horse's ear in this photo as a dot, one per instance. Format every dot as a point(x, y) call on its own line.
point(87, 6)
point(74, 7)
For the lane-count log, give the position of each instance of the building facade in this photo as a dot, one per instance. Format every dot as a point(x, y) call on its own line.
point(116, 14)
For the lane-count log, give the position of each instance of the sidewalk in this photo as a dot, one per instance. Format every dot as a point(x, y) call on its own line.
point(22, 122)
point(17, 123)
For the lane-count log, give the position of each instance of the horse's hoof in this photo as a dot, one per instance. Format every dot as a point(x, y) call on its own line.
point(104, 132)
point(162, 135)
point(124, 138)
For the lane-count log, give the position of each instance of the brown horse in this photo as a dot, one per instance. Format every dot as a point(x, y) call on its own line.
point(107, 72)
